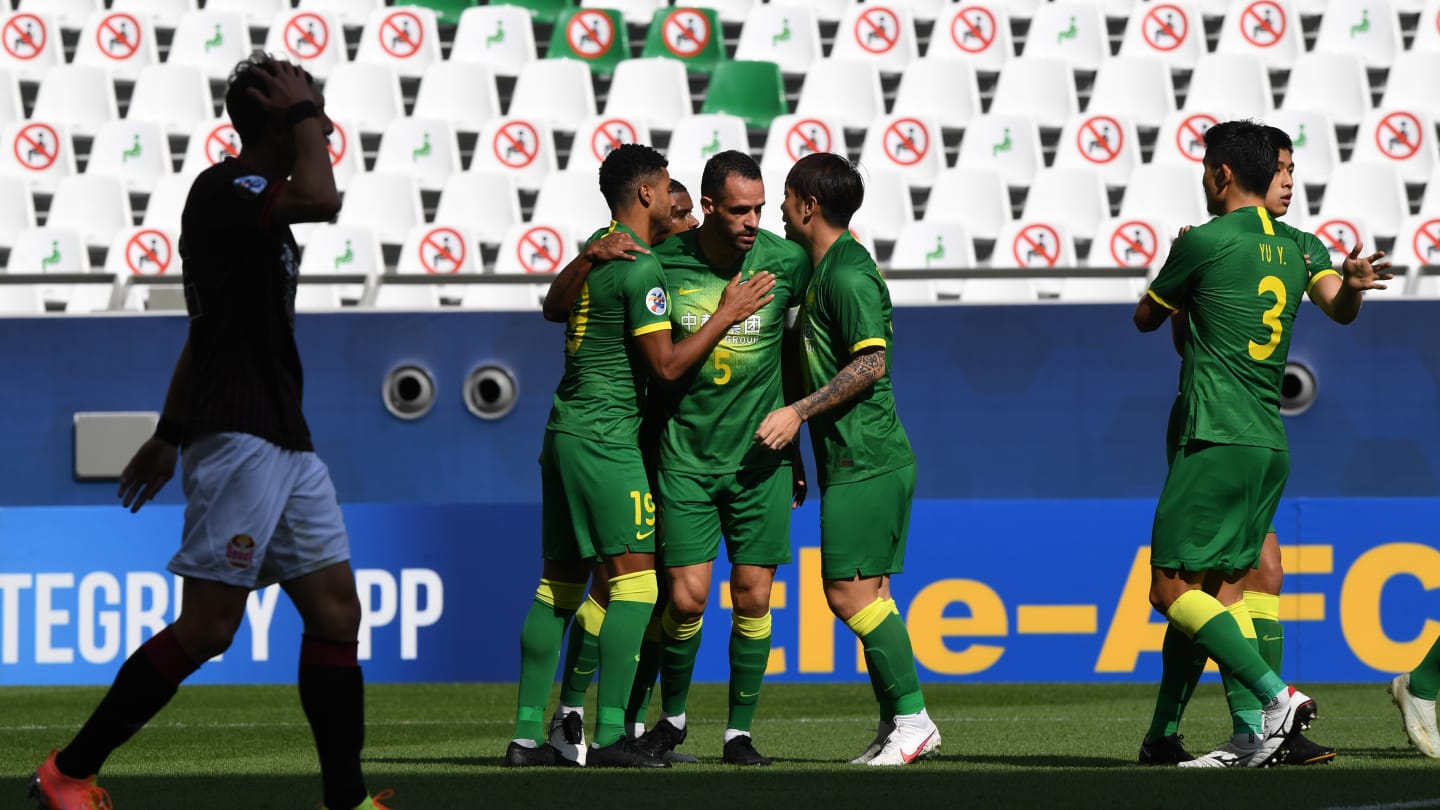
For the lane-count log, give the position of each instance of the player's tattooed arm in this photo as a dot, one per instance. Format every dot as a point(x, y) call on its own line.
point(781, 425)
point(565, 288)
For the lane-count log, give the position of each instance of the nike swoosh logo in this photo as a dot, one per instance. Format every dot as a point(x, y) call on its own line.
point(579, 671)
point(749, 694)
point(1271, 638)
point(683, 291)
point(910, 757)
point(639, 536)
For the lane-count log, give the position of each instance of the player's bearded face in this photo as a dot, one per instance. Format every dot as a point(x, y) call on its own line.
point(659, 207)
point(737, 211)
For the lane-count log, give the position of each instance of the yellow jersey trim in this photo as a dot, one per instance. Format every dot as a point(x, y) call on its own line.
point(1265, 221)
point(867, 343)
point(1322, 274)
point(654, 327)
point(1161, 301)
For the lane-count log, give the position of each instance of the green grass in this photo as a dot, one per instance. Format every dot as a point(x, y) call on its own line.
point(1011, 746)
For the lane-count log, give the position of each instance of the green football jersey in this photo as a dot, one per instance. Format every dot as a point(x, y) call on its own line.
point(848, 309)
point(713, 411)
point(1240, 283)
point(602, 394)
point(1310, 245)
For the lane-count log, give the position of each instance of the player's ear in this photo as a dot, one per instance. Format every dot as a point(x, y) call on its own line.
point(646, 194)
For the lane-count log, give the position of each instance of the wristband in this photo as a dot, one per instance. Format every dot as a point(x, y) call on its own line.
point(169, 431)
point(299, 111)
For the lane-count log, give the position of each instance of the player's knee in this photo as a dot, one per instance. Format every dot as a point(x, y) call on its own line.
point(204, 636)
point(337, 619)
point(687, 607)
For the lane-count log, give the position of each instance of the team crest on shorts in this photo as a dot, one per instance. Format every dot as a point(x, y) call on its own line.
point(655, 301)
point(240, 553)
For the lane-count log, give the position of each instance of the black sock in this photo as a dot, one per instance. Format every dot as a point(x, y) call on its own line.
point(332, 692)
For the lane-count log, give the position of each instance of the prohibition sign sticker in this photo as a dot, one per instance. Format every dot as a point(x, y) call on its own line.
point(1427, 242)
point(1134, 244)
point(686, 32)
point(306, 36)
point(442, 251)
point(401, 34)
point(806, 138)
point(148, 253)
point(118, 36)
point(336, 143)
point(590, 33)
point(906, 141)
point(973, 29)
point(540, 250)
point(1262, 23)
point(1190, 135)
point(1036, 246)
point(1100, 139)
point(24, 36)
point(877, 29)
point(1339, 236)
point(516, 144)
point(1165, 27)
point(1398, 135)
point(37, 146)
point(222, 141)
point(610, 135)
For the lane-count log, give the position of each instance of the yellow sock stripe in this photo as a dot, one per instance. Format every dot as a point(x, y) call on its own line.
point(1241, 612)
point(894, 608)
point(563, 595)
point(678, 630)
point(590, 616)
point(640, 586)
point(747, 627)
point(1263, 605)
point(1193, 610)
point(869, 617)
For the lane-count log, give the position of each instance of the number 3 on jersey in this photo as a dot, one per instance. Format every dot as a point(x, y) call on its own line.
point(1271, 318)
point(644, 513)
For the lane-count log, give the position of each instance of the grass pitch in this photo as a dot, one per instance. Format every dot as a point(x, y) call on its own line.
point(1012, 746)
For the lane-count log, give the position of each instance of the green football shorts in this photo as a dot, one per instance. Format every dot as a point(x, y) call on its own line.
point(595, 498)
point(750, 508)
point(863, 525)
point(1217, 503)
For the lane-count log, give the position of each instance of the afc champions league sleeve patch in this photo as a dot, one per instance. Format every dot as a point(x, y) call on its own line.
point(655, 301)
point(251, 184)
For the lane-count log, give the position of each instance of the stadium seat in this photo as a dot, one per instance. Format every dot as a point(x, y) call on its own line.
point(79, 96)
point(311, 39)
point(1418, 245)
point(167, 200)
point(1159, 191)
point(910, 146)
point(1074, 197)
point(1338, 232)
point(1299, 214)
point(447, 12)
point(136, 152)
point(96, 205)
point(520, 147)
point(932, 245)
point(1138, 241)
point(464, 94)
point(1427, 37)
point(210, 142)
point(118, 42)
point(506, 297)
point(1313, 136)
point(653, 91)
point(887, 203)
point(48, 249)
point(976, 198)
point(946, 90)
point(364, 95)
point(1009, 144)
point(163, 13)
point(12, 107)
point(1035, 246)
point(141, 251)
point(500, 36)
point(17, 208)
point(257, 13)
point(210, 40)
point(352, 13)
point(1137, 87)
point(697, 138)
point(1374, 188)
point(1268, 30)
point(572, 199)
point(1402, 138)
point(1107, 143)
point(693, 36)
point(388, 203)
point(753, 91)
point(38, 152)
point(1332, 83)
point(978, 33)
point(332, 249)
point(345, 160)
point(536, 248)
point(406, 296)
point(1173, 32)
point(1234, 85)
point(844, 89)
point(878, 33)
point(556, 91)
point(175, 97)
point(1041, 88)
point(1369, 29)
point(35, 44)
point(1074, 33)
point(423, 148)
point(635, 12)
point(732, 11)
point(1431, 199)
point(595, 36)
point(597, 135)
point(787, 35)
point(1411, 82)
point(440, 248)
point(406, 38)
point(68, 14)
point(21, 299)
point(826, 10)
point(1181, 139)
point(792, 137)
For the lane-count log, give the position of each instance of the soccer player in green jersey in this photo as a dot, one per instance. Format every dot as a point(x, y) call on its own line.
point(713, 481)
point(1239, 283)
point(863, 458)
point(1339, 297)
point(1414, 695)
point(597, 506)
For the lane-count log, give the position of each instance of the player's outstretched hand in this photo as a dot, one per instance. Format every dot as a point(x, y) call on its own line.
point(281, 89)
point(743, 296)
point(778, 428)
point(151, 466)
point(1366, 272)
point(617, 245)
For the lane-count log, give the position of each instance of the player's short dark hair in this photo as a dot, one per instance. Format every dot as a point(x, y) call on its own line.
point(1280, 139)
point(677, 187)
point(1246, 148)
point(833, 181)
point(625, 168)
point(722, 167)
point(246, 114)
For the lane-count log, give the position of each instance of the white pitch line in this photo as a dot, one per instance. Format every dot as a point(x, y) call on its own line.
point(1411, 805)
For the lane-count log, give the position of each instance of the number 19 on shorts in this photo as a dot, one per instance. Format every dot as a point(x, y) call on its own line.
point(644, 514)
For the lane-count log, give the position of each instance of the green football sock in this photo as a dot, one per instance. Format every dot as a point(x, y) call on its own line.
point(1425, 679)
point(1246, 714)
point(540, 638)
point(1182, 664)
point(887, 706)
point(632, 597)
point(1215, 631)
point(582, 656)
point(679, 645)
point(887, 648)
point(749, 654)
point(646, 671)
point(1265, 613)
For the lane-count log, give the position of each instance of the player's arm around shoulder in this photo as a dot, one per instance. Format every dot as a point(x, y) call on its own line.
point(1167, 292)
point(565, 287)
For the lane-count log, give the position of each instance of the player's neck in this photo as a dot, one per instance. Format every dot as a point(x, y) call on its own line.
point(1242, 199)
point(637, 220)
point(266, 161)
point(717, 248)
point(822, 236)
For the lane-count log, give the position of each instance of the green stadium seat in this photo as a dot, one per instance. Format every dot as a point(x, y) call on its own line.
point(540, 10)
point(447, 12)
point(754, 91)
point(691, 35)
point(595, 36)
